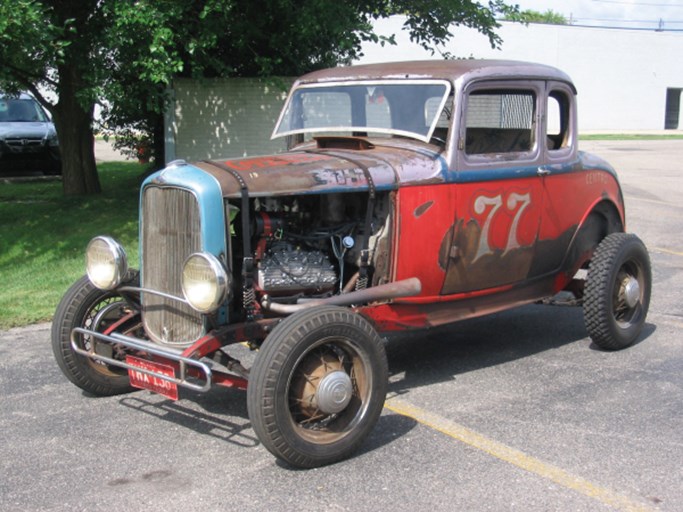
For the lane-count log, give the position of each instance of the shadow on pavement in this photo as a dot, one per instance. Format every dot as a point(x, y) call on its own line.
point(439, 354)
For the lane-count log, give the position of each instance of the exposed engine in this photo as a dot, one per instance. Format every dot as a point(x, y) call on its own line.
point(286, 270)
point(311, 245)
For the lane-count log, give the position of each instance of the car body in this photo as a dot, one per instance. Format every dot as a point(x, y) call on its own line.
point(28, 139)
point(413, 195)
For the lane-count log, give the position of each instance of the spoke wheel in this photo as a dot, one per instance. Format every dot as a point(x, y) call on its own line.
point(617, 294)
point(83, 305)
point(317, 386)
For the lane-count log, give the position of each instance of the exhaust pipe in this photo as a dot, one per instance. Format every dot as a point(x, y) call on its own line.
point(405, 288)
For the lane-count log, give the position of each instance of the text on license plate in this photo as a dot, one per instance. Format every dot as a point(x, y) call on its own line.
point(142, 380)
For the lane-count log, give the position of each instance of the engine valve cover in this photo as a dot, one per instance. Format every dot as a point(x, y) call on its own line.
point(292, 271)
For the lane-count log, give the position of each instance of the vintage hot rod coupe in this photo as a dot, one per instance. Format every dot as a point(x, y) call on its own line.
point(413, 195)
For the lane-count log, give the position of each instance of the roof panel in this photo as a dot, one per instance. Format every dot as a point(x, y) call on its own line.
point(451, 70)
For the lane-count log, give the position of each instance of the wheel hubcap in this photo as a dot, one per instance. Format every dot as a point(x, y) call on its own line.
point(334, 392)
point(630, 289)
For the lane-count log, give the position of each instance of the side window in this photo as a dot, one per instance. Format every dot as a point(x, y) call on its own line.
point(500, 121)
point(557, 124)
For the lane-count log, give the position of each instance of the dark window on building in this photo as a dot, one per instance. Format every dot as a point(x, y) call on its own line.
point(673, 109)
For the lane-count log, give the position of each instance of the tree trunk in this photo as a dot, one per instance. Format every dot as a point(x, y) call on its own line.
point(73, 122)
point(159, 142)
point(76, 144)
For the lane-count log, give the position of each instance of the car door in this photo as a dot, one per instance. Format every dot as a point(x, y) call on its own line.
point(499, 194)
point(564, 206)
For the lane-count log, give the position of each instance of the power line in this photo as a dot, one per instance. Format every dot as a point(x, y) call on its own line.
point(621, 20)
point(645, 29)
point(649, 4)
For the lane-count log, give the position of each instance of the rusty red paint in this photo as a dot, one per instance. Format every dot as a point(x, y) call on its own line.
point(121, 321)
point(417, 238)
point(420, 210)
point(251, 164)
point(203, 346)
point(229, 381)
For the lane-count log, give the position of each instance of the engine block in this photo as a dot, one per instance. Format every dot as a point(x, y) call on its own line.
point(290, 271)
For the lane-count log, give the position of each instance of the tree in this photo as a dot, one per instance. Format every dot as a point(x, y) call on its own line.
point(72, 54)
point(548, 17)
point(47, 49)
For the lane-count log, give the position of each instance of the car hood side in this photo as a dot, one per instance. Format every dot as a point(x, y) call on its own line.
point(29, 130)
point(314, 170)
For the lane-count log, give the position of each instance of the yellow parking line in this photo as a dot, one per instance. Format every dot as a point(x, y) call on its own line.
point(514, 456)
point(667, 251)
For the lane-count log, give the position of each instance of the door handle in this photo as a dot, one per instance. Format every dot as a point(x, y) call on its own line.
point(543, 172)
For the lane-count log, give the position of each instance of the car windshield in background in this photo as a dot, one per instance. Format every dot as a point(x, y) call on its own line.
point(20, 111)
point(407, 108)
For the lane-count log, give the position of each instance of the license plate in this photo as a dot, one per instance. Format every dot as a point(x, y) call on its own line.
point(142, 380)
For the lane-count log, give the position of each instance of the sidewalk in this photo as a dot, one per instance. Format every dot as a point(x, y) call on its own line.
point(104, 152)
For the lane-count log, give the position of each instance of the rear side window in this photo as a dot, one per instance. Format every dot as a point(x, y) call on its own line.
point(557, 126)
point(500, 121)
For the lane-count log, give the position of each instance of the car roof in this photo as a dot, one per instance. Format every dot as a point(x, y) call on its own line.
point(20, 96)
point(451, 70)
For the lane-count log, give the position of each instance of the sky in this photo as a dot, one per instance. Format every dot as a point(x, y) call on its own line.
point(645, 14)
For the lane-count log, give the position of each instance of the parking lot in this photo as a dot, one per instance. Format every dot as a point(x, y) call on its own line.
point(517, 411)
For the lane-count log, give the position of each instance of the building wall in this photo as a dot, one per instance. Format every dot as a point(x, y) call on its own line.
point(223, 118)
point(622, 76)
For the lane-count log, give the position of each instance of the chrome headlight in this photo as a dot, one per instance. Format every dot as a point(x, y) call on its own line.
point(205, 282)
point(105, 262)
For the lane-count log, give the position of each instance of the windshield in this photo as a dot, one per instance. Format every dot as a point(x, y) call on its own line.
point(22, 111)
point(408, 108)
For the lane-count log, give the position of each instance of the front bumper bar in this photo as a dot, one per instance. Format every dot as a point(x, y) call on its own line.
point(201, 378)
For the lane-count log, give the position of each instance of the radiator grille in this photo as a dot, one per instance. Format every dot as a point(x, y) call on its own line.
point(170, 233)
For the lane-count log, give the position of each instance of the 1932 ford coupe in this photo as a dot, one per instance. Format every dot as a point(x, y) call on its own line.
point(413, 195)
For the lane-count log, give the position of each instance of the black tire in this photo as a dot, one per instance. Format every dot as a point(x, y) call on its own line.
point(83, 305)
point(617, 293)
point(324, 347)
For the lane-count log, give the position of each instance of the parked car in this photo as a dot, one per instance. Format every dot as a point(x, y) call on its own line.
point(414, 195)
point(28, 139)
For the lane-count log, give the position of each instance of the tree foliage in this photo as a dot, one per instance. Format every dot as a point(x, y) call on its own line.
point(123, 54)
point(548, 17)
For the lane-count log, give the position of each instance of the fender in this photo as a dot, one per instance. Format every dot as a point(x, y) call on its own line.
point(602, 220)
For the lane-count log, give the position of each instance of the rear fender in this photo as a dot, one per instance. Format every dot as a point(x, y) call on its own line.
point(602, 220)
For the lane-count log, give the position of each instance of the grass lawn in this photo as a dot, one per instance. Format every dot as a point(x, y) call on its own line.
point(43, 237)
point(630, 136)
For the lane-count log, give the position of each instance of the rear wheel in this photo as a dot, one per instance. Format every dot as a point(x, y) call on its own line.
point(86, 306)
point(317, 386)
point(617, 293)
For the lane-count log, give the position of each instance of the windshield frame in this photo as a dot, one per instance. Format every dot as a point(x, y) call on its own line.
point(364, 83)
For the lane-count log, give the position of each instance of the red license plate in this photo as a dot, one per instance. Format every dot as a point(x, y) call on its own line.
point(142, 380)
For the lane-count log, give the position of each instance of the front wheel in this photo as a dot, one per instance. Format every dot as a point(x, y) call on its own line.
point(617, 293)
point(86, 306)
point(317, 386)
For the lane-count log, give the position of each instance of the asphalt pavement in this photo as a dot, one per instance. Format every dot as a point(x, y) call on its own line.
point(517, 411)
